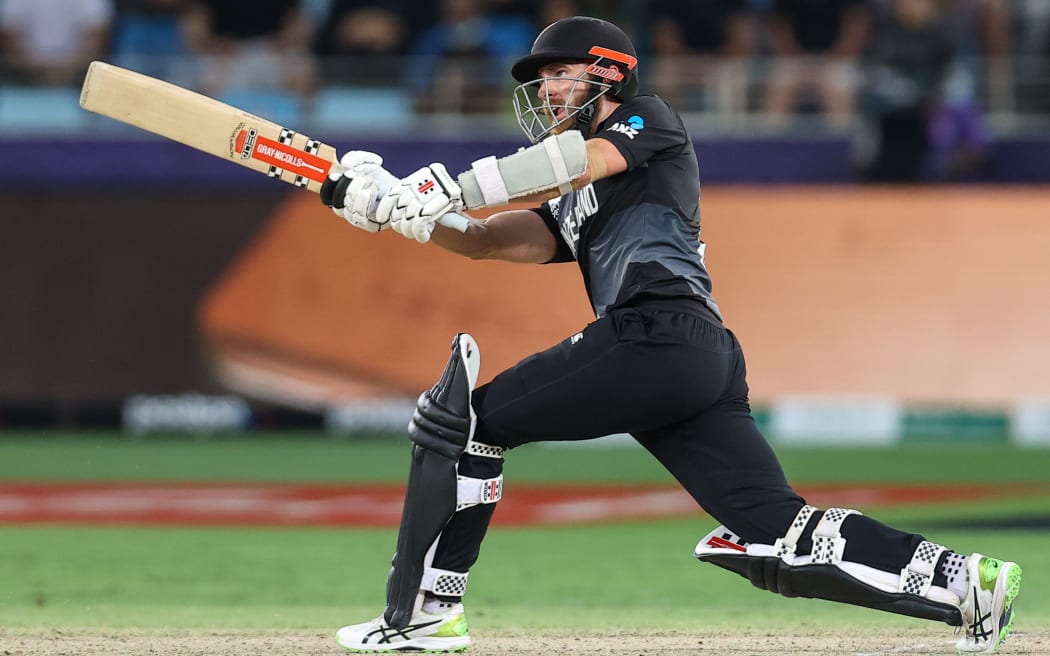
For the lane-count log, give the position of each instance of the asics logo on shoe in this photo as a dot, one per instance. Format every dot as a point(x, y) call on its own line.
point(977, 629)
point(388, 632)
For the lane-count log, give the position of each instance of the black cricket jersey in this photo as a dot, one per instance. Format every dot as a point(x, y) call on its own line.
point(636, 234)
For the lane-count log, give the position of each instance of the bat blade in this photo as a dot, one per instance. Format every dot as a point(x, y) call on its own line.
point(214, 127)
point(206, 124)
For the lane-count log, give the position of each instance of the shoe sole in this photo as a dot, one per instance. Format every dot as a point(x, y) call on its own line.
point(1012, 589)
point(419, 645)
point(416, 650)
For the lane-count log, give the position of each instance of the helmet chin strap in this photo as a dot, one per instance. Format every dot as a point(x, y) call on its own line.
point(583, 120)
point(586, 113)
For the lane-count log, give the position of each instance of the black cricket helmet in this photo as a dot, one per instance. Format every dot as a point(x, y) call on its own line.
point(612, 70)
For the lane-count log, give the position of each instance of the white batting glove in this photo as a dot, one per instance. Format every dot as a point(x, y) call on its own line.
point(413, 207)
point(354, 188)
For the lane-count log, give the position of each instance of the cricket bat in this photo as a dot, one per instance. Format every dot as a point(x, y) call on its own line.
point(214, 127)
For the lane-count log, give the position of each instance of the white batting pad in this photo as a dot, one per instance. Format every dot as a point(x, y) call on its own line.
point(718, 541)
point(916, 578)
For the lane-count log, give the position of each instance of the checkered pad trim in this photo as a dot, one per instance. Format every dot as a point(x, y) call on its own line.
point(444, 582)
point(450, 585)
point(917, 577)
point(913, 583)
point(786, 545)
point(836, 515)
point(927, 555)
point(824, 550)
point(484, 450)
point(828, 543)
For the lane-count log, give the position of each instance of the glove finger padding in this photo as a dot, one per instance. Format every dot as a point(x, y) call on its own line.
point(387, 212)
point(353, 189)
point(422, 228)
point(362, 195)
point(353, 159)
point(414, 206)
point(353, 164)
point(425, 217)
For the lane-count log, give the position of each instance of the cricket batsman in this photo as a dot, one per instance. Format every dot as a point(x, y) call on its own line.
point(613, 181)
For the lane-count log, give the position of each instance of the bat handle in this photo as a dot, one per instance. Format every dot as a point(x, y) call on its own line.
point(455, 221)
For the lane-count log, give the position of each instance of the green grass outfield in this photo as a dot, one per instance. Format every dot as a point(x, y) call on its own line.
point(633, 574)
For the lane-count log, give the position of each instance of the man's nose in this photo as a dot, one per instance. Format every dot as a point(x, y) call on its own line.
point(543, 91)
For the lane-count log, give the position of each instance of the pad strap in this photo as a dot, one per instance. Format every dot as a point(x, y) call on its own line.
point(444, 582)
point(490, 181)
point(828, 542)
point(484, 450)
point(561, 172)
point(785, 547)
point(474, 491)
point(917, 576)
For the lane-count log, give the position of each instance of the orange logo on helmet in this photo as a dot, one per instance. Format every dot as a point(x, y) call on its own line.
point(616, 55)
point(605, 72)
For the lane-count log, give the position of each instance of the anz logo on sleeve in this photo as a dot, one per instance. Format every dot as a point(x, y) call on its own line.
point(631, 128)
point(572, 211)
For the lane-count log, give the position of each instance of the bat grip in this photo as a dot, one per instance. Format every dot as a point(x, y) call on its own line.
point(455, 221)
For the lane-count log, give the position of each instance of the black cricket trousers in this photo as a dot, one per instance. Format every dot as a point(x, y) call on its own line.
point(674, 378)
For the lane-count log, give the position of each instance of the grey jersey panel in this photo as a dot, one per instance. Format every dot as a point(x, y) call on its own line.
point(636, 234)
point(651, 233)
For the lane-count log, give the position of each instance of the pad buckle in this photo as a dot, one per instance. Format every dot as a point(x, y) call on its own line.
point(784, 548)
point(828, 543)
point(473, 491)
point(917, 576)
point(444, 582)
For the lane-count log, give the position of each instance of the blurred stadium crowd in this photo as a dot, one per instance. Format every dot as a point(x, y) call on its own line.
point(900, 68)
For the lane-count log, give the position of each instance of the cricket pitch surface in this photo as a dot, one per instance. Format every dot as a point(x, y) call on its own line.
point(204, 642)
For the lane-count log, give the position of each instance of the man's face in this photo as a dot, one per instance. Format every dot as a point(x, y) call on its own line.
point(560, 92)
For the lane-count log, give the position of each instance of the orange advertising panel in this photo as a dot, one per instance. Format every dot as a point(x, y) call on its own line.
point(318, 311)
point(931, 295)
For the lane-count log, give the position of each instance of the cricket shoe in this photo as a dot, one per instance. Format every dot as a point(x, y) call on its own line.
point(988, 610)
point(443, 631)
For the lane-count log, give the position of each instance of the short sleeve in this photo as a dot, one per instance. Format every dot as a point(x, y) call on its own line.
point(564, 253)
point(643, 128)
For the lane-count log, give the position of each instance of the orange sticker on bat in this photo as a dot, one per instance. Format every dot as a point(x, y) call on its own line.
point(243, 142)
point(288, 158)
